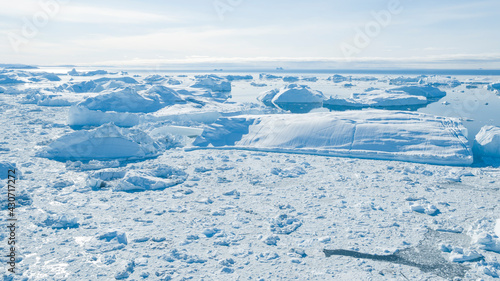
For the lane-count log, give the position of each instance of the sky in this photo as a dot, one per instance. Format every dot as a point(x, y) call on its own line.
point(254, 33)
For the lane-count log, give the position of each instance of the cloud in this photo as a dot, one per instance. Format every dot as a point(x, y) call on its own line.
point(76, 13)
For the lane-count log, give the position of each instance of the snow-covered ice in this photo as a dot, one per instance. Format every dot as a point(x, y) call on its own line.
point(375, 134)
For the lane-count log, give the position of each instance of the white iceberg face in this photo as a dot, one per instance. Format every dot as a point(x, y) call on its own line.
point(487, 142)
point(374, 134)
point(104, 143)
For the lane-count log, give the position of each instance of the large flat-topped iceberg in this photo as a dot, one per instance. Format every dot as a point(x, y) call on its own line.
point(374, 134)
point(386, 99)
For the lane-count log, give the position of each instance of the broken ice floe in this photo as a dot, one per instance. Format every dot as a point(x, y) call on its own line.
point(137, 178)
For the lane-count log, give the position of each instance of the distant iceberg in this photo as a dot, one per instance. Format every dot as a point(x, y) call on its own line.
point(372, 134)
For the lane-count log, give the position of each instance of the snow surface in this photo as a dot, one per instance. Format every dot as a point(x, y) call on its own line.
point(386, 135)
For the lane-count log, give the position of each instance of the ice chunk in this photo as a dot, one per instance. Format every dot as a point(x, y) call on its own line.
point(377, 134)
point(158, 178)
point(487, 142)
point(105, 142)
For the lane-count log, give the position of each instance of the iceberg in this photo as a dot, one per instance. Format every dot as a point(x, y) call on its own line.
point(293, 97)
point(290, 79)
point(103, 143)
point(83, 87)
point(424, 91)
point(4, 79)
point(406, 80)
point(487, 142)
point(386, 99)
point(309, 79)
point(126, 100)
point(153, 79)
point(213, 83)
point(494, 87)
point(164, 95)
point(80, 116)
point(338, 78)
point(371, 134)
point(268, 76)
point(239, 77)
point(73, 72)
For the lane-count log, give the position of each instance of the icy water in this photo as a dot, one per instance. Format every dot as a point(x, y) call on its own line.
point(424, 256)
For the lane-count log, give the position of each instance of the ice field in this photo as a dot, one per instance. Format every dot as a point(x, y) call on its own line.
point(137, 175)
